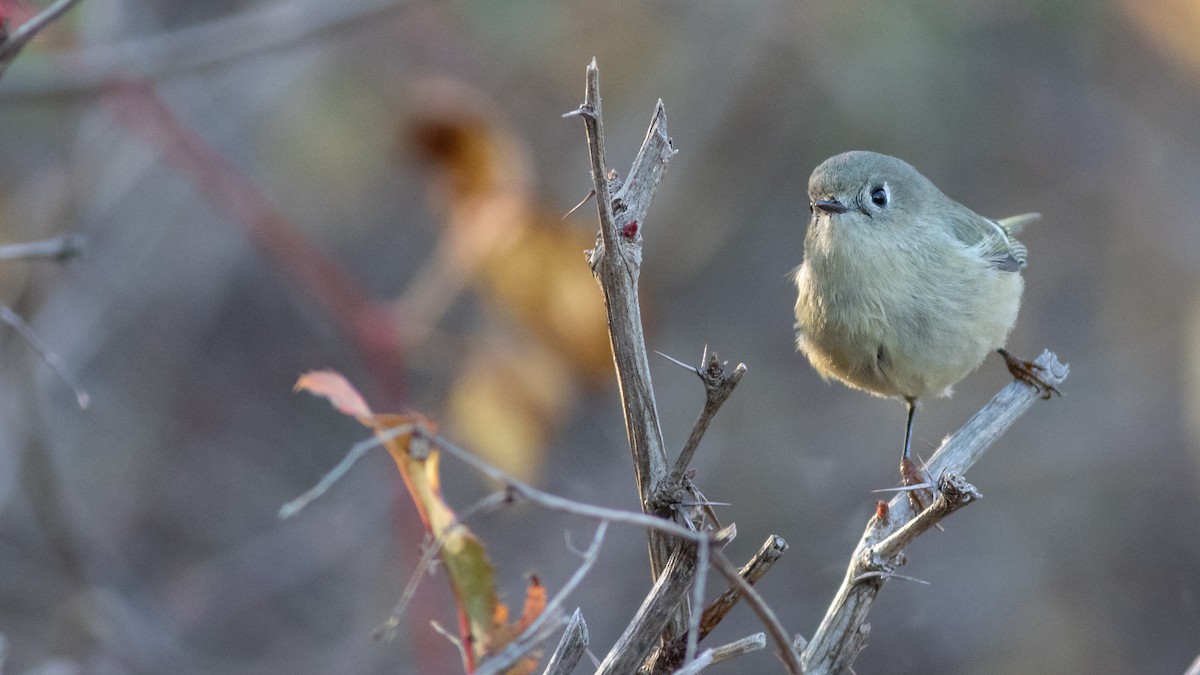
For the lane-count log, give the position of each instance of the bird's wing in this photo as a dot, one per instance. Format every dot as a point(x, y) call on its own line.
point(1014, 224)
point(993, 239)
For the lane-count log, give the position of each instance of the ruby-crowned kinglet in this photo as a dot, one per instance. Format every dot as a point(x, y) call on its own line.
point(903, 291)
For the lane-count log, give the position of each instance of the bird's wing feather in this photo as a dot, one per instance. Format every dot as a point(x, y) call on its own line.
point(994, 239)
point(1014, 224)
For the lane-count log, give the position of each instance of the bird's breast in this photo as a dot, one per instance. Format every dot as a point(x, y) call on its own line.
point(900, 323)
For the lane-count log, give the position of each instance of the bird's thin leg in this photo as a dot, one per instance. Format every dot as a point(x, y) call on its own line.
point(912, 408)
point(910, 473)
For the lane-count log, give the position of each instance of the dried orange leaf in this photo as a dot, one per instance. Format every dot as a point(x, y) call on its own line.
point(535, 603)
point(337, 389)
point(472, 576)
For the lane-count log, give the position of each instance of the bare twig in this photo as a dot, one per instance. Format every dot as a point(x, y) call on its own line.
point(356, 452)
point(1194, 669)
point(754, 569)
point(591, 193)
point(748, 644)
point(657, 610)
point(454, 640)
point(718, 385)
point(549, 619)
point(842, 632)
point(386, 632)
point(953, 493)
point(264, 27)
point(693, 634)
point(570, 648)
point(50, 358)
point(791, 659)
point(12, 44)
point(616, 262)
point(555, 503)
point(58, 249)
point(693, 666)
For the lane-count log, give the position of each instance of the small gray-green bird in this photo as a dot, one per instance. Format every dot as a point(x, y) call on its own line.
point(904, 291)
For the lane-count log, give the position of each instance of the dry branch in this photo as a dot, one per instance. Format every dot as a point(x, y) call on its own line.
point(570, 648)
point(754, 569)
point(641, 636)
point(58, 249)
point(616, 262)
point(665, 617)
point(842, 633)
point(11, 45)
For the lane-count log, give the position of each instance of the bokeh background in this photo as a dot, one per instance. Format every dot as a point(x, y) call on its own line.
point(376, 186)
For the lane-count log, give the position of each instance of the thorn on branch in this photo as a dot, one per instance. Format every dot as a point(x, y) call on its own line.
point(584, 110)
point(58, 249)
point(591, 193)
point(718, 385)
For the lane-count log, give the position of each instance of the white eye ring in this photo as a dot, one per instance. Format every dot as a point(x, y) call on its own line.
point(881, 196)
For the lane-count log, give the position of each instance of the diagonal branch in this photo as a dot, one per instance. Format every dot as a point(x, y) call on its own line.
point(550, 617)
point(842, 633)
point(11, 45)
point(657, 610)
point(754, 569)
point(570, 648)
point(787, 653)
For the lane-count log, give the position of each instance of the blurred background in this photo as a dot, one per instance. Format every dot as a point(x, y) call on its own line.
point(376, 186)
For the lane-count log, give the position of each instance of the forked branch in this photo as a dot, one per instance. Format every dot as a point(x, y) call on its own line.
point(843, 631)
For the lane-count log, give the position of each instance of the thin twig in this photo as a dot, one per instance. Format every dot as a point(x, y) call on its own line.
point(718, 385)
point(693, 666)
point(790, 658)
point(737, 648)
point(843, 630)
point(12, 46)
point(953, 493)
point(754, 569)
point(693, 634)
point(591, 193)
point(356, 452)
point(233, 38)
point(386, 632)
point(454, 640)
point(536, 632)
point(562, 504)
point(772, 549)
point(570, 648)
point(58, 249)
point(1194, 669)
point(50, 358)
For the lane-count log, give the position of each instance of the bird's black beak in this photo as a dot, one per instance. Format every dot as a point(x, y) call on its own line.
point(830, 206)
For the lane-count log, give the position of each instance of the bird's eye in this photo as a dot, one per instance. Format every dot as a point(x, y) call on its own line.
point(879, 196)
